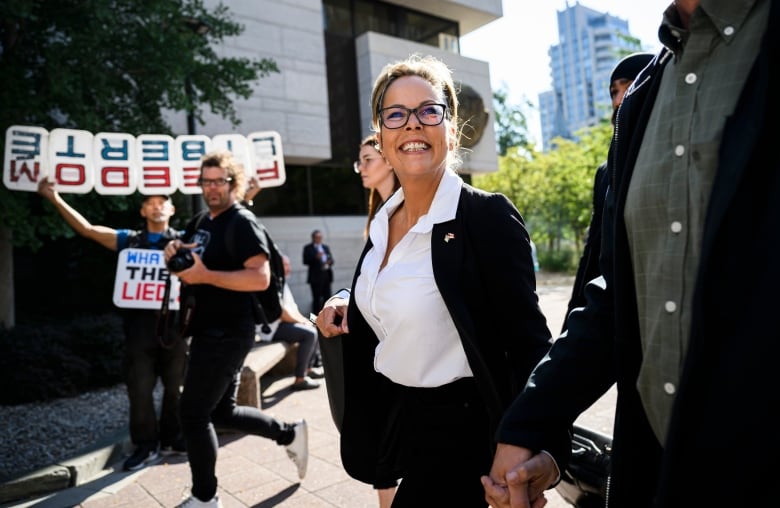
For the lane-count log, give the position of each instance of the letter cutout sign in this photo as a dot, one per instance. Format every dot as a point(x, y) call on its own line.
point(117, 163)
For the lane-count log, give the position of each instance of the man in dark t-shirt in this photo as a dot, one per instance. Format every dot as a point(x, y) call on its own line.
point(218, 295)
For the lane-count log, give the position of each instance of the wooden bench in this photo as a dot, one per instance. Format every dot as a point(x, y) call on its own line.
point(263, 357)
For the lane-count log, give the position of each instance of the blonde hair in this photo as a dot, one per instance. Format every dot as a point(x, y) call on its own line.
point(435, 72)
point(224, 159)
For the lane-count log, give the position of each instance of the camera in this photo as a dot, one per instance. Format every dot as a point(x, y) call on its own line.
point(181, 260)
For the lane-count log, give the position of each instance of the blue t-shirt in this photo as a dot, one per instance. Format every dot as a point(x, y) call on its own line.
point(123, 236)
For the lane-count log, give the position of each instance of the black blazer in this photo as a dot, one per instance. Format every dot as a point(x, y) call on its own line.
point(311, 258)
point(721, 448)
point(486, 277)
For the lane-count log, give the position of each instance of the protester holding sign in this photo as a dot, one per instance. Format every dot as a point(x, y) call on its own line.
point(146, 358)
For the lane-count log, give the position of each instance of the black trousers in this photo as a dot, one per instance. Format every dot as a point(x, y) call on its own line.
point(144, 362)
point(320, 292)
point(446, 445)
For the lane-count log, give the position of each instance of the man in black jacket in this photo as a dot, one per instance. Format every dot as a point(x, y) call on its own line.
point(317, 256)
point(690, 340)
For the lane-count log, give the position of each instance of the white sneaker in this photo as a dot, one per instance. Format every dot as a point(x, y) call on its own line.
point(298, 450)
point(194, 502)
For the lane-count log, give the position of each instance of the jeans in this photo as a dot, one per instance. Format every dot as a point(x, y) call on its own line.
point(303, 334)
point(144, 362)
point(209, 400)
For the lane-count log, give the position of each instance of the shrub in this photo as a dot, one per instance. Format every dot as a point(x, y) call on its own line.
point(55, 359)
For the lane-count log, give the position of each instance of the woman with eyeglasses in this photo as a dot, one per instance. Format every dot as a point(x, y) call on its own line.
point(443, 324)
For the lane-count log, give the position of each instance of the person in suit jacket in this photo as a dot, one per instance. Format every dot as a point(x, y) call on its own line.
point(687, 334)
point(317, 256)
point(443, 324)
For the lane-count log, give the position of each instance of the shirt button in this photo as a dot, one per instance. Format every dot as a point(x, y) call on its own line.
point(670, 306)
point(669, 388)
point(679, 150)
point(690, 78)
point(729, 30)
point(676, 227)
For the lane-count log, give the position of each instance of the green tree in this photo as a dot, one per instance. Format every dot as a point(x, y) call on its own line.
point(511, 124)
point(553, 190)
point(108, 65)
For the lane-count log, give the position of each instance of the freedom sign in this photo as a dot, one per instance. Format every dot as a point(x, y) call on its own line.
point(116, 163)
point(140, 280)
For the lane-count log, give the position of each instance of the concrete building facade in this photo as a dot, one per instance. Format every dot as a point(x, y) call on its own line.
point(329, 52)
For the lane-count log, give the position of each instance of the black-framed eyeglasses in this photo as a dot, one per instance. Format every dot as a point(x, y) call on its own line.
point(218, 182)
point(395, 117)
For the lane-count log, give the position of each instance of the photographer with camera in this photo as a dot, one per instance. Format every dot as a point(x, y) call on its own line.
point(146, 359)
point(221, 281)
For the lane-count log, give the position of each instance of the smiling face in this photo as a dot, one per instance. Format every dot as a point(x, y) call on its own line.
point(414, 149)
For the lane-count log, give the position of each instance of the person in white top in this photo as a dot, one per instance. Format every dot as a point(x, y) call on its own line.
point(444, 323)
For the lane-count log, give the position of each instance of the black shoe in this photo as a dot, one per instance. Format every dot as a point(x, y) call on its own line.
point(176, 447)
point(142, 457)
point(316, 360)
point(307, 384)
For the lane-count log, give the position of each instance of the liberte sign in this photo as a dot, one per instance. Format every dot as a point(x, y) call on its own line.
point(116, 163)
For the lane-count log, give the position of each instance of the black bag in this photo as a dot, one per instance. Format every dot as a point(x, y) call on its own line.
point(585, 482)
point(267, 303)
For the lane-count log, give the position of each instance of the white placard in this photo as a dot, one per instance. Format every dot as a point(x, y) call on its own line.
point(26, 157)
point(237, 145)
point(189, 151)
point(70, 160)
point(268, 159)
point(140, 280)
point(115, 161)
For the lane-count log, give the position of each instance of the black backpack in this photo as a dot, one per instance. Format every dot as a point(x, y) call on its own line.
point(268, 303)
point(139, 239)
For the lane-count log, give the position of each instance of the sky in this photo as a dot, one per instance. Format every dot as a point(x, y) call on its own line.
point(516, 44)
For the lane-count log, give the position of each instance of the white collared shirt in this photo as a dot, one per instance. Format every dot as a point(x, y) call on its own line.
point(418, 342)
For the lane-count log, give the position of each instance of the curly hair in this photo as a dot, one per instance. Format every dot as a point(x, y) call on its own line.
point(224, 159)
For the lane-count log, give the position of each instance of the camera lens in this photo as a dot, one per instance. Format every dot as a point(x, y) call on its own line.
point(181, 260)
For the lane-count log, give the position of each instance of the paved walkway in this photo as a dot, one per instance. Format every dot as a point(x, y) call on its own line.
point(255, 472)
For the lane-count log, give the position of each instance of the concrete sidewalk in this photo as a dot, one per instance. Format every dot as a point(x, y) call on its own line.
point(255, 472)
point(252, 471)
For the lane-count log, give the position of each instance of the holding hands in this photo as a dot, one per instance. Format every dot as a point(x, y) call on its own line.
point(519, 478)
